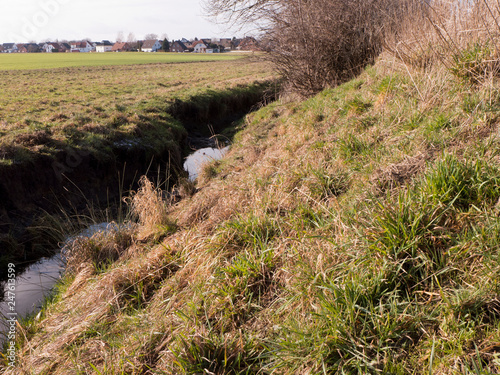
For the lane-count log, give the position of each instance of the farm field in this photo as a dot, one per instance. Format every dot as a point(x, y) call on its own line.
point(20, 61)
point(89, 107)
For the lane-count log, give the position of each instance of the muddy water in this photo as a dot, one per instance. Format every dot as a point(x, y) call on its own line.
point(33, 285)
point(28, 291)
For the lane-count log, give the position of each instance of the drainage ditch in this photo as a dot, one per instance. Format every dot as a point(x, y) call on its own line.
point(36, 282)
point(78, 183)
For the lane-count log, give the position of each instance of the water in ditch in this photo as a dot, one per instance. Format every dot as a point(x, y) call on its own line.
point(35, 283)
point(24, 294)
point(195, 162)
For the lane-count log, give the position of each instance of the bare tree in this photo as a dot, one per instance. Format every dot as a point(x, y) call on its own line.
point(151, 37)
point(243, 12)
point(314, 43)
point(119, 37)
point(131, 39)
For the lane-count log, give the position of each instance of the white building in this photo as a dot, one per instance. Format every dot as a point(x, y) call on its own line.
point(51, 47)
point(200, 47)
point(103, 48)
point(151, 46)
point(83, 46)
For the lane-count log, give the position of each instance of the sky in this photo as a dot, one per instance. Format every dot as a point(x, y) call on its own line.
point(23, 21)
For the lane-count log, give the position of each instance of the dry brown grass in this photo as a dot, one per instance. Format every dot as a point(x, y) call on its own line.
point(462, 36)
point(98, 250)
point(149, 206)
point(266, 239)
point(92, 301)
point(398, 174)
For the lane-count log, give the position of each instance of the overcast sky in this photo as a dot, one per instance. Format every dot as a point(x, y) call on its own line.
point(40, 20)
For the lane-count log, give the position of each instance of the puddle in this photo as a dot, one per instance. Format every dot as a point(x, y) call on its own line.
point(197, 159)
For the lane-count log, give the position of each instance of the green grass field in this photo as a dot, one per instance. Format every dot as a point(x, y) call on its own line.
point(93, 105)
point(20, 61)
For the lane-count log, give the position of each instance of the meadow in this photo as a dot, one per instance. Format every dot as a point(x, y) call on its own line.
point(42, 110)
point(21, 61)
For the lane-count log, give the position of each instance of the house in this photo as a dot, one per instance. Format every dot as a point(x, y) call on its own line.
point(200, 47)
point(21, 48)
point(249, 44)
point(83, 46)
point(121, 47)
point(65, 47)
point(151, 46)
point(227, 43)
point(51, 47)
point(104, 46)
point(178, 46)
point(9, 47)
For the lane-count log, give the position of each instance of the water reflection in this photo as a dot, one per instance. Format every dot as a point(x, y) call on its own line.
point(36, 282)
point(197, 159)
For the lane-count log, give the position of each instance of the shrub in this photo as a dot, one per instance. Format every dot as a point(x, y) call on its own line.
point(100, 249)
point(149, 206)
point(317, 43)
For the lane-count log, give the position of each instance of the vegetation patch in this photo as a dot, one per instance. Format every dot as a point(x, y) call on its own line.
point(354, 232)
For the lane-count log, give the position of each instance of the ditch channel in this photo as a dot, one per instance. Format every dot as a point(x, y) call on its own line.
point(35, 199)
point(24, 295)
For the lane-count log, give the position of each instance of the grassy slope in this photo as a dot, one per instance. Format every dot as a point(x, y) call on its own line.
point(19, 61)
point(356, 232)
